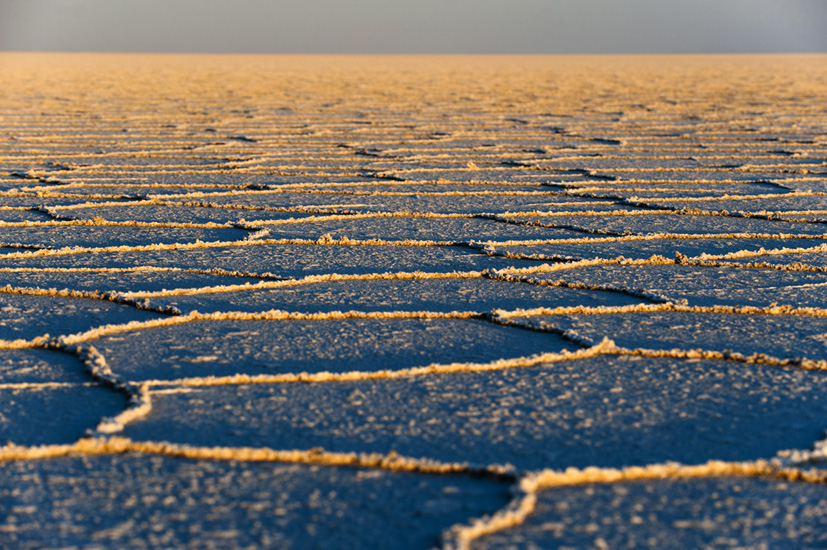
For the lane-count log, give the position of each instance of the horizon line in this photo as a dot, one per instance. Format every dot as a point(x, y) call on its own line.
point(389, 54)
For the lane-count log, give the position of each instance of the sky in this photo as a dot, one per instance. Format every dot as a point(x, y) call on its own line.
point(415, 26)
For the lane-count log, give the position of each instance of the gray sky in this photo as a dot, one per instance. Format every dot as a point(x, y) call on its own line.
point(415, 26)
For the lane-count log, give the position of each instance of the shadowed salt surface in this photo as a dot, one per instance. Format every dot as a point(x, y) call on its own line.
point(16, 216)
point(138, 280)
point(378, 248)
point(71, 235)
point(46, 415)
point(708, 286)
point(285, 260)
point(603, 411)
point(203, 348)
point(649, 222)
point(674, 514)
point(781, 336)
point(779, 203)
point(815, 258)
point(20, 366)
point(664, 246)
point(143, 501)
point(437, 229)
point(442, 295)
point(162, 213)
point(22, 316)
point(440, 203)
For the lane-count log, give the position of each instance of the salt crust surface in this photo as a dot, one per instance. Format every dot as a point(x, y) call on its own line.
point(226, 504)
point(470, 293)
point(648, 246)
point(46, 415)
point(348, 302)
point(608, 412)
point(654, 222)
point(21, 316)
point(707, 286)
point(208, 348)
point(786, 337)
point(20, 366)
point(57, 236)
point(127, 280)
point(282, 260)
point(705, 513)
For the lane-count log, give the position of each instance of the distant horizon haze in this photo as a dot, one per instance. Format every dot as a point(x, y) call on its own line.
point(423, 27)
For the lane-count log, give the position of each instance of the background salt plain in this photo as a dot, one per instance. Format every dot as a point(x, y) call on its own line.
point(413, 302)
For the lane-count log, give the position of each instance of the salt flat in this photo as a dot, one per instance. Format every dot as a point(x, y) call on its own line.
point(413, 302)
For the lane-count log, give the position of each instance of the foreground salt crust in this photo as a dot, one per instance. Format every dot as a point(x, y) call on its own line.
point(190, 503)
point(347, 302)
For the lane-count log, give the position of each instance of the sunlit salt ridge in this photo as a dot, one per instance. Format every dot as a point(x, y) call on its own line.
point(461, 302)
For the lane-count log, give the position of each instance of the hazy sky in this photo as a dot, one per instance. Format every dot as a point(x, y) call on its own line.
point(415, 26)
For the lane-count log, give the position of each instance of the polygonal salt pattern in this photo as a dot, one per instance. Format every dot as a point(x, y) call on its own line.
point(468, 265)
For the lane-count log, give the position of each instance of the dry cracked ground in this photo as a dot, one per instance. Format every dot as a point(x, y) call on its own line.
point(411, 302)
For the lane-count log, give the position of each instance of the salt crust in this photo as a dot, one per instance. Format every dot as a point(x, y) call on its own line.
point(561, 149)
